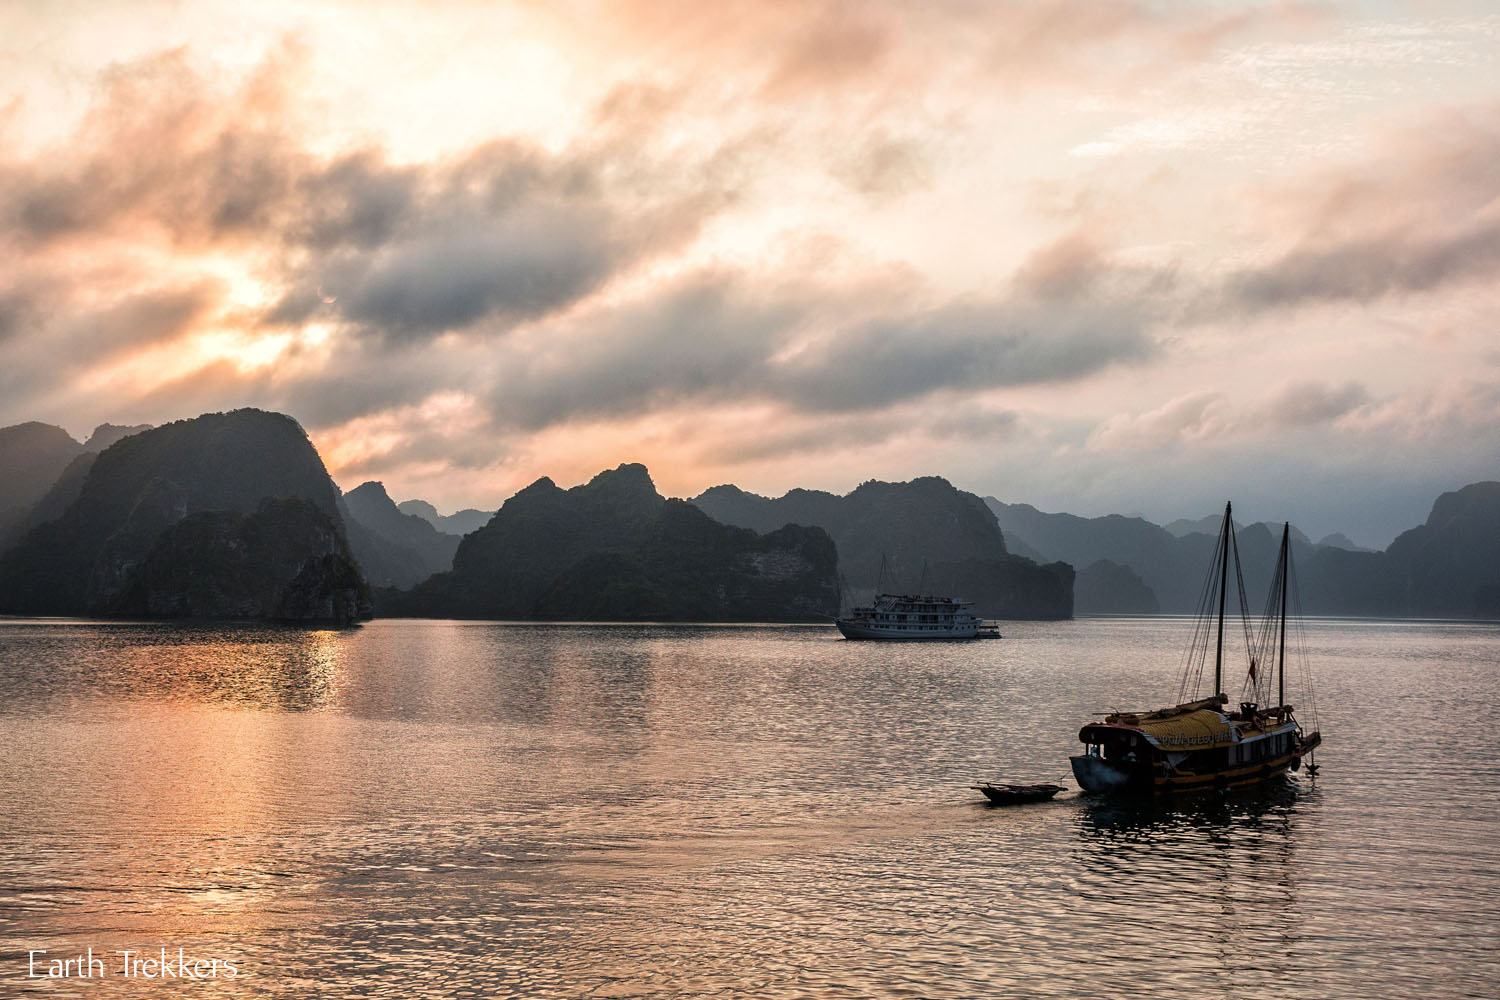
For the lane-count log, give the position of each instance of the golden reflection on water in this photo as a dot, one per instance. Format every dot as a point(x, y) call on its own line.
point(416, 809)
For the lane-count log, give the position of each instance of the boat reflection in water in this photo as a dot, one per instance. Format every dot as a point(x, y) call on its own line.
point(1200, 745)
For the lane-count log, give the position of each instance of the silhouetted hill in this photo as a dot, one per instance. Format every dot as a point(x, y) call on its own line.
point(1339, 540)
point(1449, 567)
point(24, 472)
point(107, 434)
point(32, 456)
point(1105, 587)
point(614, 549)
point(460, 523)
point(926, 521)
point(88, 558)
point(1206, 525)
point(1172, 568)
point(420, 550)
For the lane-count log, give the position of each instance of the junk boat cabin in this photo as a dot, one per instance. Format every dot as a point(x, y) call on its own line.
point(1201, 745)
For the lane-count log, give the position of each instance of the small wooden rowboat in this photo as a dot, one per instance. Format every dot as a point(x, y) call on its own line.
point(1010, 795)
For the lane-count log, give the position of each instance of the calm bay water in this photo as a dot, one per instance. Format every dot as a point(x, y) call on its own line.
point(419, 809)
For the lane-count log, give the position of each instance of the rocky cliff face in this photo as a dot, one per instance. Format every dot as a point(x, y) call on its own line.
point(908, 525)
point(286, 561)
point(138, 491)
point(614, 549)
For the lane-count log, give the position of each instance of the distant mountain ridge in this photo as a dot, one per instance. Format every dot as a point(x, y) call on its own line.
point(1448, 567)
point(413, 549)
point(34, 459)
point(458, 523)
point(926, 521)
point(85, 531)
point(614, 549)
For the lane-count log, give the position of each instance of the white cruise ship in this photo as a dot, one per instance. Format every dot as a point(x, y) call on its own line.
point(913, 617)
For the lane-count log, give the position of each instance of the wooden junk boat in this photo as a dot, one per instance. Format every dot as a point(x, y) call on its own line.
point(1202, 745)
point(1010, 795)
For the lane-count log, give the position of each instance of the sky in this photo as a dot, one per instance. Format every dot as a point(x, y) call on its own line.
point(1133, 257)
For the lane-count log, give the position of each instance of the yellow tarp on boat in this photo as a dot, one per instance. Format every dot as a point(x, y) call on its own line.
point(1198, 730)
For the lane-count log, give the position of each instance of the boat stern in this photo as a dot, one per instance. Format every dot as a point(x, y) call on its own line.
point(1095, 774)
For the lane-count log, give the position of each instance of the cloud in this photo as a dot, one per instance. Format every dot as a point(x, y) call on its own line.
point(910, 427)
point(844, 42)
point(1309, 403)
point(960, 346)
point(1068, 43)
point(1421, 211)
point(884, 167)
point(500, 233)
point(1368, 268)
point(140, 318)
point(16, 310)
point(718, 337)
point(1195, 416)
point(1457, 410)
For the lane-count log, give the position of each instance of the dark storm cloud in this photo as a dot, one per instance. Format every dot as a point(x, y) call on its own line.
point(977, 346)
point(357, 200)
point(712, 339)
point(517, 267)
point(707, 337)
point(1369, 267)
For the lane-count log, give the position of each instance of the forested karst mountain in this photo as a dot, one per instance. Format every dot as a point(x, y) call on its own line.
point(285, 561)
point(101, 554)
point(925, 521)
point(615, 549)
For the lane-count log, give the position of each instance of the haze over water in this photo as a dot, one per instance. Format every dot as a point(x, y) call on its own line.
point(420, 808)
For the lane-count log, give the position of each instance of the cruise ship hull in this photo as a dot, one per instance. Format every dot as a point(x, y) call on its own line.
point(895, 633)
